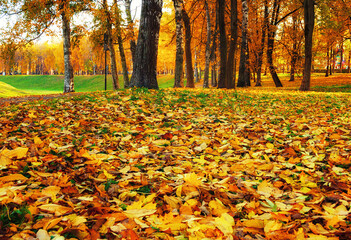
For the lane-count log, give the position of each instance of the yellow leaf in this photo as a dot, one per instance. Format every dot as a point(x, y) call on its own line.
point(108, 175)
point(58, 210)
point(253, 223)
point(137, 213)
point(265, 188)
point(300, 234)
point(12, 177)
point(217, 207)
point(51, 191)
point(270, 145)
point(37, 140)
point(76, 220)
point(43, 235)
point(271, 226)
point(192, 179)
point(225, 223)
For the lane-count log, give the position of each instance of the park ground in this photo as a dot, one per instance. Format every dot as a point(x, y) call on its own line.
point(22, 85)
point(253, 163)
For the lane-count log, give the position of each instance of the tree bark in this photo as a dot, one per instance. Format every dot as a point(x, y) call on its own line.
point(263, 39)
point(121, 47)
point(328, 63)
point(111, 46)
point(309, 26)
point(271, 28)
point(178, 74)
point(232, 44)
point(130, 28)
point(189, 63)
point(222, 44)
point(341, 53)
point(244, 73)
point(294, 54)
point(145, 64)
point(208, 47)
point(68, 75)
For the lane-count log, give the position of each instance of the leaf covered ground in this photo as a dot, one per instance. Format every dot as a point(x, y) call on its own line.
point(177, 164)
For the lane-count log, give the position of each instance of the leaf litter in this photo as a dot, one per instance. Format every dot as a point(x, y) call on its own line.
point(177, 164)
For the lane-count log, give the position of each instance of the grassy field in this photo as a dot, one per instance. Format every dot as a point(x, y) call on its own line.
point(38, 85)
point(27, 85)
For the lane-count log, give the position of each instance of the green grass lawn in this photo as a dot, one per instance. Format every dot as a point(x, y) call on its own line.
point(46, 84)
point(19, 85)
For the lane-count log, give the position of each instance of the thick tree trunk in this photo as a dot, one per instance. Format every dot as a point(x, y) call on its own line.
point(208, 47)
point(244, 73)
point(294, 54)
point(222, 44)
point(309, 26)
point(341, 53)
point(111, 46)
point(263, 39)
point(178, 74)
point(271, 28)
point(145, 64)
point(328, 63)
point(66, 32)
point(130, 28)
point(214, 76)
point(189, 62)
point(232, 44)
point(196, 70)
point(120, 46)
point(332, 68)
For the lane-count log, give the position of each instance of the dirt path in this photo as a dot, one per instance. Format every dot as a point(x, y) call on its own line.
point(14, 100)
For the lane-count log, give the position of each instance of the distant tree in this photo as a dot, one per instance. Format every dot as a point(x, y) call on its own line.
point(145, 62)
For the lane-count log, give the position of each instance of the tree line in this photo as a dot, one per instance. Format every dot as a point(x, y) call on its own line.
point(229, 43)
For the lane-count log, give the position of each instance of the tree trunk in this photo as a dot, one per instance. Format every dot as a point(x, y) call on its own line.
point(214, 76)
point(208, 46)
point(232, 44)
point(189, 63)
point(196, 73)
point(348, 69)
point(130, 28)
point(244, 73)
point(111, 46)
point(294, 54)
point(222, 44)
point(309, 25)
point(68, 75)
point(263, 39)
point(178, 74)
point(121, 47)
point(271, 28)
point(332, 69)
point(341, 53)
point(145, 64)
point(327, 72)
